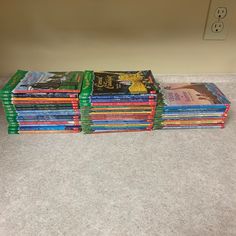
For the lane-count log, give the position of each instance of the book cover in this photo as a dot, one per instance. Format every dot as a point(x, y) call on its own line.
point(41, 82)
point(192, 94)
point(123, 83)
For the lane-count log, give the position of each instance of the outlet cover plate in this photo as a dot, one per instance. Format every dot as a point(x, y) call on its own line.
point(212, 19)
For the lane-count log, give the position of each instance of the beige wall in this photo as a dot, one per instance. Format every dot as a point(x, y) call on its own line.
point(163, 35)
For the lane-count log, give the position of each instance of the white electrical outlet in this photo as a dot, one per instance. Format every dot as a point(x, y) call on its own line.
point(221, 12)
point(216, 25)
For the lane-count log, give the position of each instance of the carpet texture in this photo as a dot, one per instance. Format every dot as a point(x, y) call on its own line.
point(180, 182)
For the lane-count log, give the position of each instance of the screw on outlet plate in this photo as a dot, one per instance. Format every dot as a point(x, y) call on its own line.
point(217, 27)
point(221, 12)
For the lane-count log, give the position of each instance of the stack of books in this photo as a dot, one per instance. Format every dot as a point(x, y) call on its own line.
point(118, 101)
point(108, 101)
point(190, 105)
point(42, 102)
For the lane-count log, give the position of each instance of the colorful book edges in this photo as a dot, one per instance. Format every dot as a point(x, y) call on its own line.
point(195, 104)
point(42, 101)
point(117, 98)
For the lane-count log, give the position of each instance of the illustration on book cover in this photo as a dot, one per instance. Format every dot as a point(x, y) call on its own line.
point(48, 81)
point(121, 82)
point(189, 94)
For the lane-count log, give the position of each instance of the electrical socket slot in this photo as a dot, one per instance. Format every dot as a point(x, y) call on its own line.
point(216, 24)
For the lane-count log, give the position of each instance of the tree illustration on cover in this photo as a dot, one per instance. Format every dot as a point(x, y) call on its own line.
point(56, 80)
point(196, 91)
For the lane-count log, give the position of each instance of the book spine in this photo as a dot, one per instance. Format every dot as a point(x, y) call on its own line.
point(87, 85)
point(11, 84)
point(124, 104)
